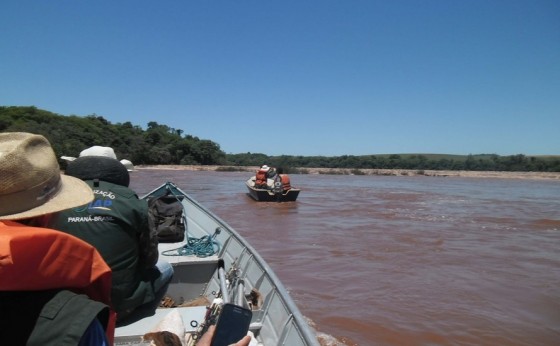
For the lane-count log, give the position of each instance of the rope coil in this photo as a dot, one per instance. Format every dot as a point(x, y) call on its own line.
point(201, 247)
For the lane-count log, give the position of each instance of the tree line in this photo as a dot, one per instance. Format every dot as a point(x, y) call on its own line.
point(69, 135)
point(160, 144)
point(482, 162)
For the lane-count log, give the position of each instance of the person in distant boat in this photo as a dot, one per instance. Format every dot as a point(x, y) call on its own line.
point(118, 225)
point(284, 179)
point(271, 176)
point(261, 177)
point(55, 289)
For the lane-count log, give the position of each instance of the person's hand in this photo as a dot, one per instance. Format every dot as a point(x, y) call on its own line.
point(207, 338)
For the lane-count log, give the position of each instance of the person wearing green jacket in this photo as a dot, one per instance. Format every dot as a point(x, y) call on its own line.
point(117, 224)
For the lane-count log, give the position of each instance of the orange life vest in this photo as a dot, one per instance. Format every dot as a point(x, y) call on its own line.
point(33, 258)
point(260, 178)
point(285, 182)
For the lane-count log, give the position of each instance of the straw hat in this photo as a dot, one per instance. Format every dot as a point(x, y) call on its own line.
point(265, 168)
point(30, 181)
point(99, 167)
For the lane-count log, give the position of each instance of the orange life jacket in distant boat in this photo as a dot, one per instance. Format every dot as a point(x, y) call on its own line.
point(260, 179)
point(285, 182)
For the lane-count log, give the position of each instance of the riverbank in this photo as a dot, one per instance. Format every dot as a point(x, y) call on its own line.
point(385, 172)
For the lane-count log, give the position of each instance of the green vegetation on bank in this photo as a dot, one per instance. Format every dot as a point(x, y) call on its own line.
point(483, 162)
point(163, 145)
point(69, 135)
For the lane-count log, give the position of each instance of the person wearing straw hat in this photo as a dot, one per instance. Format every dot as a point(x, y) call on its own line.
point(54, 288)
point(261, 177)
point(118, 225)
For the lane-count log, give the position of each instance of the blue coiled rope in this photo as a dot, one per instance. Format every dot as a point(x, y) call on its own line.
point(200, 247)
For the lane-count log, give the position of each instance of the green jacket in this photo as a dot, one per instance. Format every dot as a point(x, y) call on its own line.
point(51, 317)
point(117, 224)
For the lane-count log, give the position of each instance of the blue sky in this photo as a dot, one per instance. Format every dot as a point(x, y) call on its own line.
point(321, 77)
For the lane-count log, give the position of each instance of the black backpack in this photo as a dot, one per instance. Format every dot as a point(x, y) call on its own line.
point(167, 213)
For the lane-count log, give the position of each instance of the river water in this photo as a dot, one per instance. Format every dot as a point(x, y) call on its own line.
point(376, 260)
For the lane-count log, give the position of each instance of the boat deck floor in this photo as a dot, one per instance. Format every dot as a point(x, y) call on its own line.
point(184, 266)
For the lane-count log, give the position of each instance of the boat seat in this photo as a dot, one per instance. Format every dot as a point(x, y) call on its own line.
point(190, 275)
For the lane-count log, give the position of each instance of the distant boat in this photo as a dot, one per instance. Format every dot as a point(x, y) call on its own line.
point(274, 194)
point(232, 271)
